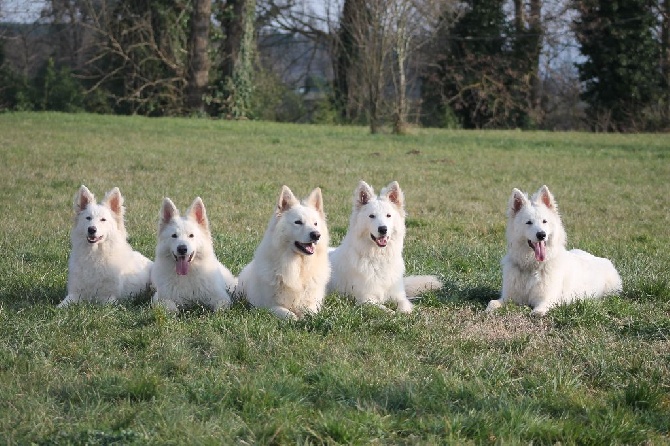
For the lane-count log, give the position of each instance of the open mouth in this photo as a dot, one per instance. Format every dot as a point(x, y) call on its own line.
point(305, 248)
point(380, 241)
point(183, 264)
point(94, 239)
point(540, 249)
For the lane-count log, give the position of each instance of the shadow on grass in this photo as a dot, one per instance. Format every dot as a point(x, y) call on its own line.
point(451, 292)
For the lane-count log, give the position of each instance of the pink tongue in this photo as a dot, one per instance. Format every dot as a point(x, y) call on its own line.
point(539, 251)
point(182, 266)
point(309, 248)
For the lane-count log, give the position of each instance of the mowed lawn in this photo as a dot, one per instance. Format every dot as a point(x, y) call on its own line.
point(596, 372)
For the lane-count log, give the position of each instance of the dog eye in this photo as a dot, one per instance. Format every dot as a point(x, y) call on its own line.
point(529, 222)
point(298, 222)
point(388, 215)
point(103, 219)
point(174, 235)
point(372, 215)
point(89, 218)
point(544, 221)
point(316, 223)
point(190, 236)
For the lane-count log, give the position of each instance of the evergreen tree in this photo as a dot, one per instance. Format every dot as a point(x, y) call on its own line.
point(621, 74)
point(474, 80)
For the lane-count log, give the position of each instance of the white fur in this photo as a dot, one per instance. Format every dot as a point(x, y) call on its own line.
point(103, 267)
point(186, 270)
point(368, 265)
point(546, 274)
point(283, 277)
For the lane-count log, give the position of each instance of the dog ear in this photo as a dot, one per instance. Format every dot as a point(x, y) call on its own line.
point(517, 201)
point(363, 194)
point(286, 200)
point(545, 197)
point(114, 201)
point(197, 212)
point(394, 194)
point(168, 212)
point(82, 199)
point(315, 200)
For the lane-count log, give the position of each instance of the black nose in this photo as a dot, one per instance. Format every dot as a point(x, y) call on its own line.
point(541, 235)
point(182, 250)
point(315, 235)
point(382, 230)
point(92, 230)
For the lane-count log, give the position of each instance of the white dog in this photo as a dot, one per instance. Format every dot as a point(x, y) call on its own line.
point(537, 269)
point(290, 269)
point(103, 267)
point(186, 270)
point(368, 264)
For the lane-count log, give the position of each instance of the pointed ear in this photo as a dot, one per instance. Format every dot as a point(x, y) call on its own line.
point(545, 197)
point(517, 201)
point(82, 199)
point(286, 200)
point(315, 200)
point(394, 194)
point(114, 201)
point(363, 194)
point(197, 212)
point(168, 211)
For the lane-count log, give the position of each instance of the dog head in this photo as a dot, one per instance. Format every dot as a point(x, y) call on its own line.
point(534, 224)
point(96, 223)
point(379, 219)
point(183, 239)
point(302, 225)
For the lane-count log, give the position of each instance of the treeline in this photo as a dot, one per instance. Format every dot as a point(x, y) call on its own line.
point(602, 65)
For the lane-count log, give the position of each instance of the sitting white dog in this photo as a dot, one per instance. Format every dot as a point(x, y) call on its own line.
point(103, 267)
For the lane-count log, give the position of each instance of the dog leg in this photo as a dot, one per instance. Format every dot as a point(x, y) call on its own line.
point(284, 313)
point(494, 305)
point(404, 305)
point(220, 303)
point(169, 305)
point(377, 305)
point(539, 311)
point(69, 299)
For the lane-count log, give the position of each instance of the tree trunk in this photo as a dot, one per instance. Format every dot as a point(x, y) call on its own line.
point(198, 66)
point(346, 55)
point(237, 22)
point(536, 32)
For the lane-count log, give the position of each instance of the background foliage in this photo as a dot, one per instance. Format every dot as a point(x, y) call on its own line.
point(594, 372)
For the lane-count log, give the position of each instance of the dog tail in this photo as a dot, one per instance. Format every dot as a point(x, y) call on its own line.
point(415, 285)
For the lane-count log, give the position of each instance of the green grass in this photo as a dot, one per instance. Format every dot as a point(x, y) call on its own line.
point(595, 372)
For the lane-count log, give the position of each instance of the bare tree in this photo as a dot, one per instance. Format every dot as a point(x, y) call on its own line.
point(386, 34)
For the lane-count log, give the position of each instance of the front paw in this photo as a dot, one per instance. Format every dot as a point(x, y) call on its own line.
point(493, 306)
point(539, 312)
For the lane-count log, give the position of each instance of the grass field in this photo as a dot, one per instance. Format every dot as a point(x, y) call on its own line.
point(590, 373)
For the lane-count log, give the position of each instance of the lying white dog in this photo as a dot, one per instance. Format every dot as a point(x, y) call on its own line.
point(537, 269)
point(186, 270)
point(368, 265)
point(290, 269)
point(103, 267)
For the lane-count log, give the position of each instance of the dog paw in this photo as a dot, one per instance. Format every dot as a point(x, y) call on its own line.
point(538, 312)
point(404, 307)
point(493, 306)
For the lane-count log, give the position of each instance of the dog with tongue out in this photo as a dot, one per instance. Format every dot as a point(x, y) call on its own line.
point(538, 270)
point(186, 270)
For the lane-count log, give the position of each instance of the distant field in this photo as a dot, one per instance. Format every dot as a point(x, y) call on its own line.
point(590, 373)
